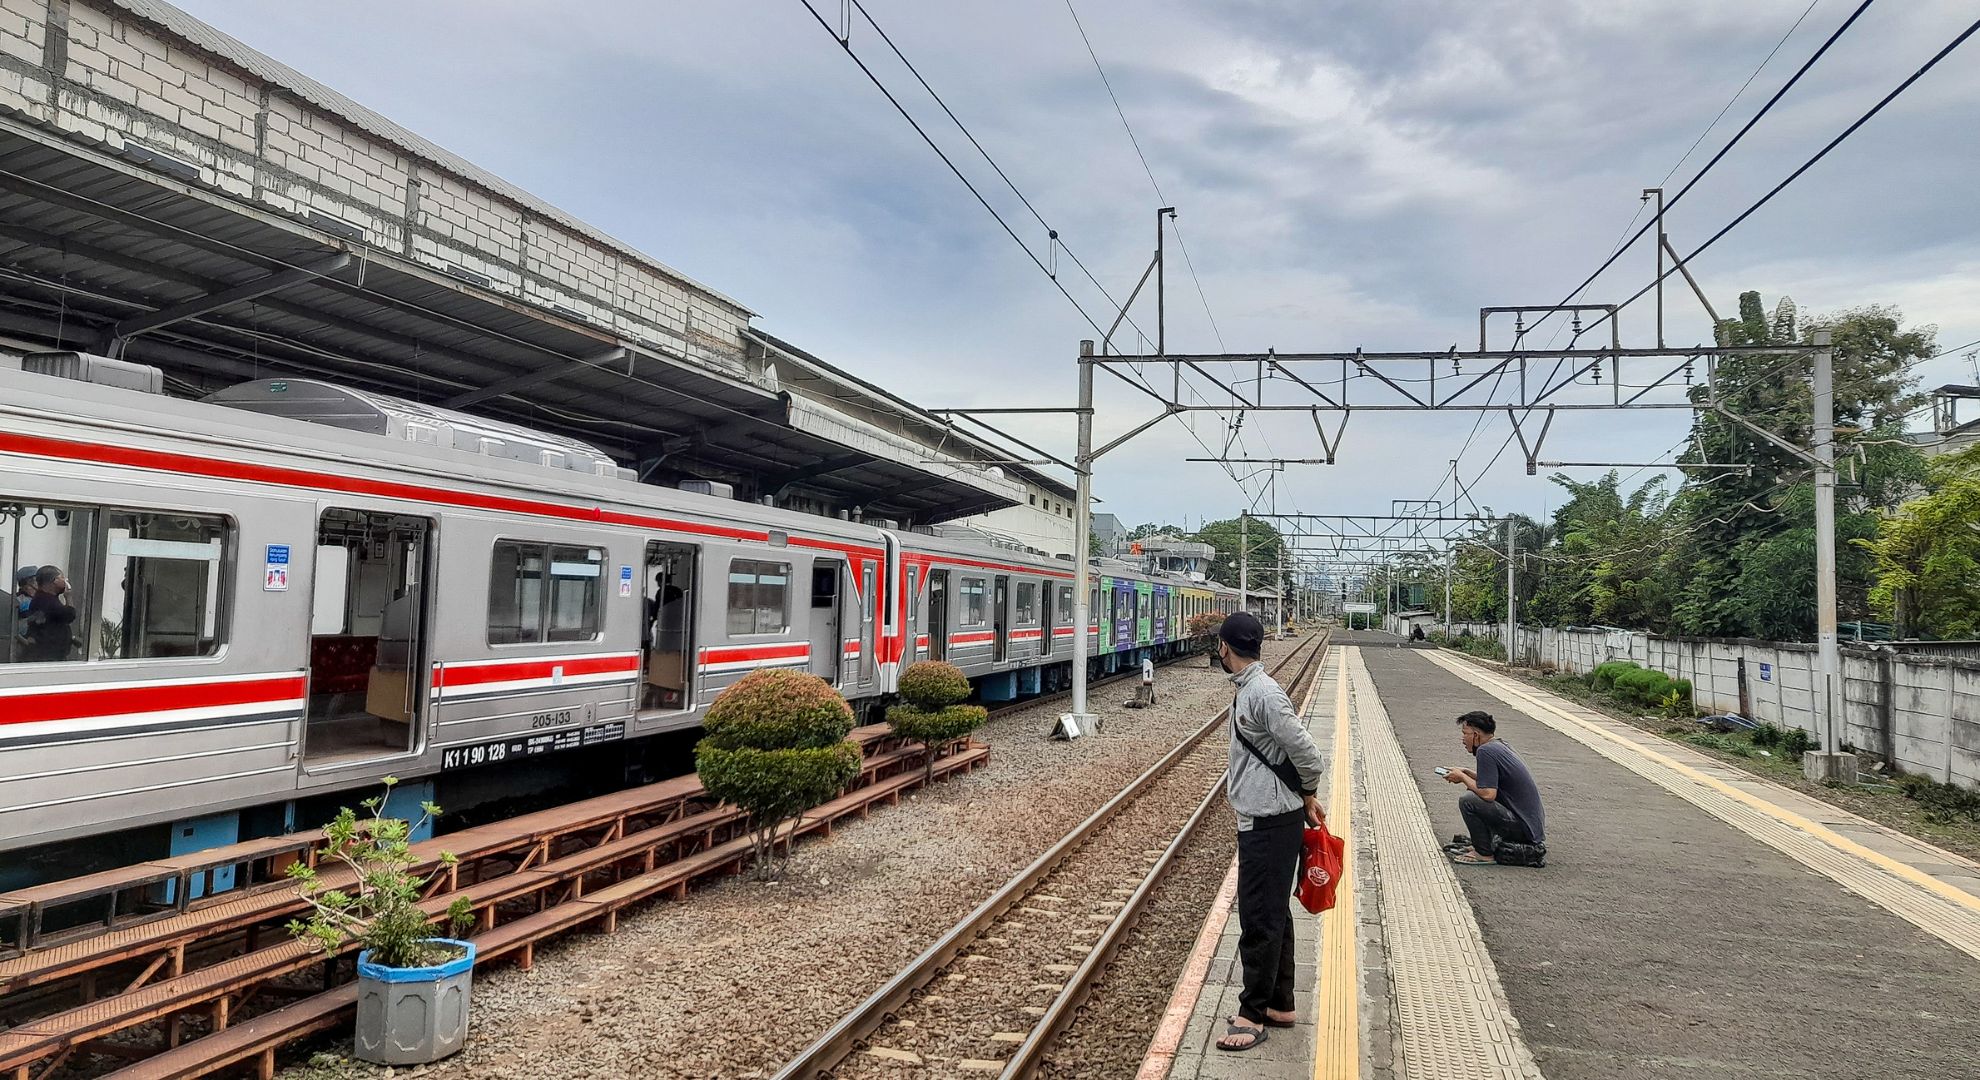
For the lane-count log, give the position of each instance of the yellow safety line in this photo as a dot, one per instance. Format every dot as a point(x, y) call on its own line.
point(1774, 810)
point(1337, 1008)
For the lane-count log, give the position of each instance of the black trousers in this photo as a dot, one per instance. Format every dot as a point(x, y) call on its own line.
point(1490, 822)
point(1268, 866)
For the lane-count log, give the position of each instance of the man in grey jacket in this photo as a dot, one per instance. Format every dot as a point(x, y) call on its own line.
point(1274, 772)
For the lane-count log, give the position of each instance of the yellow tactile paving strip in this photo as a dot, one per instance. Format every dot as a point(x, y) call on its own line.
point(1452, 1016)
point(1337, 1031)
point(1937, 907)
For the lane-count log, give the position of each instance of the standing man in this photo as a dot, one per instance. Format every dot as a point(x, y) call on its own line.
point(1274, 771)
point(1501, 803)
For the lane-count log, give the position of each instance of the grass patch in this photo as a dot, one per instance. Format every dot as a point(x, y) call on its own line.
point(1484, 648)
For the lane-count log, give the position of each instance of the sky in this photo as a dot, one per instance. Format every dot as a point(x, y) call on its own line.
point(1346, 176)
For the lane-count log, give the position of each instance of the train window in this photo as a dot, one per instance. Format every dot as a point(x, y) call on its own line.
point(577, 578)
point(760, 596)
point(1065, 605)
point(973, 607)
point(544, 592)
point(113, 584)
point(1027, 603)
point(161, 585)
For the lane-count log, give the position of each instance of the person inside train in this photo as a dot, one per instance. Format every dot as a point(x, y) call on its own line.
point(1501, 804)
point(19, 622)
point(51, 617)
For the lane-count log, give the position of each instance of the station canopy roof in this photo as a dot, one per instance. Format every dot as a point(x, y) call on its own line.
point(95, 247)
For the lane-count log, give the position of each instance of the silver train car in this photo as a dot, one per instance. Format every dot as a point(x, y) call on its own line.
point(437, 592)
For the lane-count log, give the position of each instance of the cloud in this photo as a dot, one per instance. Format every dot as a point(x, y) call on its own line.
point(1347, 175)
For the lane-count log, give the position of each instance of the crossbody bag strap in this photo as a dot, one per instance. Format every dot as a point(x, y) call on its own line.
point(1278, 769)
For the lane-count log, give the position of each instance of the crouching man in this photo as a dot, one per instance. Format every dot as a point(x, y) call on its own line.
point(1501, 803)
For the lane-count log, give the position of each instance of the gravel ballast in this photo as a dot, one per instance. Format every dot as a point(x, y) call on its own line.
point(743, 975)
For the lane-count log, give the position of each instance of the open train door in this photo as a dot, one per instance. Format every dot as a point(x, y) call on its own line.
point(827, 587)
point(1000, 618)
point(938, 614)
point(667, 626)
point(368, 632)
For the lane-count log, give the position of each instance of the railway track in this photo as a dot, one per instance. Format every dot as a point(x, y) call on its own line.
point(996, 991)
point(222, 985)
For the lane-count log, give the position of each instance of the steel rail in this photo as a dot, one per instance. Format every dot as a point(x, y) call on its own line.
point(838, 1042)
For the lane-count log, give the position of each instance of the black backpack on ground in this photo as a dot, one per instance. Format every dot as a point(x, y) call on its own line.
point(1508, 853)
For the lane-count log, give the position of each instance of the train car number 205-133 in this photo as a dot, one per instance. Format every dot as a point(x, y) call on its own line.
point(522, 746)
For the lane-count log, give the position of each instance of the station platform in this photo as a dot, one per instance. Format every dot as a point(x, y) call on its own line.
point(1693, 920)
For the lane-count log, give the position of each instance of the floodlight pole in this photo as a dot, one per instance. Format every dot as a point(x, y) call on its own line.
point(1244, 561)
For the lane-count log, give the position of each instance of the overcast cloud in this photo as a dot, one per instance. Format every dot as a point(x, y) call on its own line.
point(1347, 174)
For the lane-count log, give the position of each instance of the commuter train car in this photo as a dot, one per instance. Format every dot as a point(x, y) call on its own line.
point(437, 592)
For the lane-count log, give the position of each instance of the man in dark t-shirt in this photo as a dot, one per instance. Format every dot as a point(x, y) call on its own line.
point(1501, 801)
point(51, 616)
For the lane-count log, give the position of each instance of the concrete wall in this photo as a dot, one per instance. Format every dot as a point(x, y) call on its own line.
point(134, 77)
point(1921, 713)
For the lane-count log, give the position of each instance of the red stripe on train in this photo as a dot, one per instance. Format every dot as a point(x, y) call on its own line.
point(535, 669)
point(122, 700)
point(731, 653)
point(163, 461)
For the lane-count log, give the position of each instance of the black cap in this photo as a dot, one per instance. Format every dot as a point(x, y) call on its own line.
point(1243, 632)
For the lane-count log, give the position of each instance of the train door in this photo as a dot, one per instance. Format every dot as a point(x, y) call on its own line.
point(938, 614)
point(1046, 600)
point(666, 631)
point(868, 642)
point(368, 636)
point(1000, 617)
point(827, 647)
point(912, 630)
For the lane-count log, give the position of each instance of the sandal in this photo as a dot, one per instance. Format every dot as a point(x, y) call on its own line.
point(1258, 1035)
point(1473, 858)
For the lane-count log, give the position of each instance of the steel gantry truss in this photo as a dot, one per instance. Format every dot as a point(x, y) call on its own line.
point(1331, 386)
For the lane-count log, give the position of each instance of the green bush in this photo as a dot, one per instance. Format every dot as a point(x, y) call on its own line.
point(1767, 736)
point(777, 709)
point(932, 685)
point(775, 747)
point(1604, 675)
point(934, 727)
point(1796, 742)
point(1944, 804)
point(932, 713)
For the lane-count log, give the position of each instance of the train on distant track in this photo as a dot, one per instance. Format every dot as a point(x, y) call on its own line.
point(290, 588)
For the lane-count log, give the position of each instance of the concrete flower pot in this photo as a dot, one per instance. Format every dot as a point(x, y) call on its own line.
point(412, 1016)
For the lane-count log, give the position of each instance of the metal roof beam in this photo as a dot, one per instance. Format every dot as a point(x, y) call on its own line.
point(123, 331)
point(524, 379)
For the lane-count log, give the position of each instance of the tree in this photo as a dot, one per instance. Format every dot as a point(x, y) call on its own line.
point(776, 747)
point(1735, 568)
point(932, 710)
point(1267, 547)
point(1926, 556)
point(1150, 528)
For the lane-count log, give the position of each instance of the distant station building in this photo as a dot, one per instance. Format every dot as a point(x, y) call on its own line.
point(176, 199)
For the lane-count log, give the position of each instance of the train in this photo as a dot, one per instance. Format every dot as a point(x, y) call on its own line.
point(291, 587)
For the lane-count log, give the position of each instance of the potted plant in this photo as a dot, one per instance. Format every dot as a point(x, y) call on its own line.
point(413, 984)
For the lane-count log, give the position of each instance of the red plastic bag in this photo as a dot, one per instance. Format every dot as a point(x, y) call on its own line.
point(1320, 869)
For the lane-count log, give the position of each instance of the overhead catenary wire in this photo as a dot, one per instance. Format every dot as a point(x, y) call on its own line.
point(1054, 238)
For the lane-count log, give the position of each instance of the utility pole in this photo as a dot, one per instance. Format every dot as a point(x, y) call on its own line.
point(1512, 600)
point(1080, 717)
point(1244, 560)
point(1447, 594)
point(1659, 193)
point(1828, 763)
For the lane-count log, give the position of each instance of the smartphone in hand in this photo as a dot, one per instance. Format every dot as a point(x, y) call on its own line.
point(1441, 771)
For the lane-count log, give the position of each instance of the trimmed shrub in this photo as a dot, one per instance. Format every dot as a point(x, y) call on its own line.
point(775, 747)
point(932, 712)
point(1205, 623)
point(932, 685)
